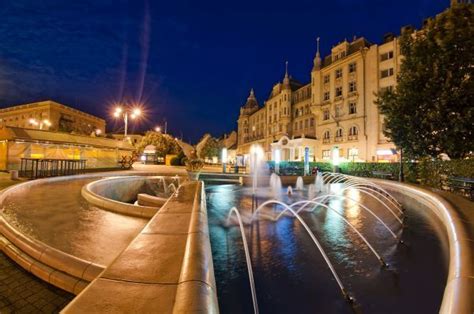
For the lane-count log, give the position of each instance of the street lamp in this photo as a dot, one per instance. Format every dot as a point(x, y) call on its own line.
point(158, 129)
point(124, 113)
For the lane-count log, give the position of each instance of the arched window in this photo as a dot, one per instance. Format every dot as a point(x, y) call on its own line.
point(339, 134)
point(327, 135)
point(353, 130)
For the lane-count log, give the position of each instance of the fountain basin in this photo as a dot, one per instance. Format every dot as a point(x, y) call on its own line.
point(117, 194)
point(460, 283)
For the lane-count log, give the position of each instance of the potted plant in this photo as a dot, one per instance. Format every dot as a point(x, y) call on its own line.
point(193, 167)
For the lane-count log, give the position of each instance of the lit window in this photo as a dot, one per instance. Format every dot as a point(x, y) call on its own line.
point(326, 79)
point(339, 133)
point(338, 91)
point(338, 73)
point(326, 154)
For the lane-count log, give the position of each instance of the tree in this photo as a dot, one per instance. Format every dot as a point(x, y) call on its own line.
point(431, 110)
point(210, 148)
point(164, 143)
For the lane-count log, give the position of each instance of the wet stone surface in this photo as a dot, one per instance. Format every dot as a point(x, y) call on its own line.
point(22, 292)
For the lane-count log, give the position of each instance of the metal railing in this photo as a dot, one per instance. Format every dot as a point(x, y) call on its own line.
point(33, 168)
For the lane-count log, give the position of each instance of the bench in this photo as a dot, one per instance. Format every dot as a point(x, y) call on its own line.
point(464, 185)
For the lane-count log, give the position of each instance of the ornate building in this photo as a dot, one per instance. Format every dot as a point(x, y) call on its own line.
point(335, 111)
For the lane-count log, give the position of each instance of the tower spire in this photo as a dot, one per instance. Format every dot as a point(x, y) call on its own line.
point(317, 58)
point(286, 69)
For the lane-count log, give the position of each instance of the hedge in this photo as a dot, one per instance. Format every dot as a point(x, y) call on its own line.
point(433, 173)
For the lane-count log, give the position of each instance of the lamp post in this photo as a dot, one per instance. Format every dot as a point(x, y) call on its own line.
point(158, 129)
point(224, 159)
point(124, 113)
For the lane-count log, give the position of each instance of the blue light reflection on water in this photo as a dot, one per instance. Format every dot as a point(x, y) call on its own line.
point(289, 272)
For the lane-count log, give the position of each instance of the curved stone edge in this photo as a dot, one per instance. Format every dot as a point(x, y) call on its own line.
point(151, 281)
point(112, 205)
point(197, 290)
point(459, 287)
point(55, 267)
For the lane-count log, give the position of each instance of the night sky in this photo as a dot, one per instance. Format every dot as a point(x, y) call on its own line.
point(191, 62)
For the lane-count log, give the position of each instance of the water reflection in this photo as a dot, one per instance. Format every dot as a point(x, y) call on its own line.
point(290, 274)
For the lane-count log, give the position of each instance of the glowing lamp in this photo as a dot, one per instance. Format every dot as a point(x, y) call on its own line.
point(224, 155)
point(335, 156)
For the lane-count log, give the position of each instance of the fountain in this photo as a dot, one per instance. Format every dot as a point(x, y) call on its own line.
point(299, 184)
point(311, 191)
point(346, 219)
point(275, 184)
point(318, 182)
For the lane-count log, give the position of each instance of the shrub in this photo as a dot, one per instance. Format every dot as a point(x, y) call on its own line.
point(175, 161)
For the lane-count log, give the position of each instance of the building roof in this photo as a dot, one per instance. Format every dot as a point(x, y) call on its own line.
point(251, 101)
point(42, 136)
point(49, 103)
point(354, 46)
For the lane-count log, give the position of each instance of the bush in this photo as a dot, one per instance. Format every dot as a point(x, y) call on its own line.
point(430, 172)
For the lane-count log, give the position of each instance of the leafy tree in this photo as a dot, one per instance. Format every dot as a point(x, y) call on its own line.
point(164, 143)
point(431, 110)
point(210, 148)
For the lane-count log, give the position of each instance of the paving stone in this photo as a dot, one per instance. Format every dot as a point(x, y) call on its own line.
point(22, 292)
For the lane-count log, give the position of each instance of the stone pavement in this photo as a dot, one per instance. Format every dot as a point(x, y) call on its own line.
point(22, 292)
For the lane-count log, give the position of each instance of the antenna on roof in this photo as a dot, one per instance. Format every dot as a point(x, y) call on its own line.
point(317, 45)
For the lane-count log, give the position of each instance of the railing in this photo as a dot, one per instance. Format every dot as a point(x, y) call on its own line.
point(326, 140)
point(352, 137)
point(33, 168)
point(338, 139)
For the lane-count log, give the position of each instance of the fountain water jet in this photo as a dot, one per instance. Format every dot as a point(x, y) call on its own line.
point(286, 208)
point(247, 257)
point(289, 190)
point(315, 240)
point(311, 191)
point(275, 184)
point(318, 182)
point(299, 184)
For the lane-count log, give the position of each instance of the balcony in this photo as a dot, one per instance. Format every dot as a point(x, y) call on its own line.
point(338, 139)
point(353, 137)
point(326, 140)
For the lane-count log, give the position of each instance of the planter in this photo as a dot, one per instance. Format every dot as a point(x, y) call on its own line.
point(193, 175)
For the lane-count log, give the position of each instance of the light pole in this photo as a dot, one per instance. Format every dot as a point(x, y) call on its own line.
point(158, 129)
point(133, 112)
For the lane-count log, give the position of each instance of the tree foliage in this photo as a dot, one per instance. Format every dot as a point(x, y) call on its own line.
point(431, 110)
point(210, 148)
point(164, 143)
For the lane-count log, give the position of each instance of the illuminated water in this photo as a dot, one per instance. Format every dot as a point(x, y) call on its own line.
point(56, 214)
point(290, 274)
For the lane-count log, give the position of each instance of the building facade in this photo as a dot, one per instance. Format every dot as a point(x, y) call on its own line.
point(335, 111)
point(52, 116)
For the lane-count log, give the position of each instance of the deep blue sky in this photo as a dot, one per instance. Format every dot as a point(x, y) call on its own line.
point(191, 62)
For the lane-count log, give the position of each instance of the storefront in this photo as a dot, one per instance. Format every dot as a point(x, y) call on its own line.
point(286, 149)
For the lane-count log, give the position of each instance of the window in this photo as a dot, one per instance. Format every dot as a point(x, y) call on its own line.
point(326, 96)
point(326, 114)
point(327, 154)
point(338, 73)
point(301, 124)
point(352, 87)
point(353, 131)
point(353, 153)
point(352, 67)
point(386, 89)
point(284, 111)
point(326, 79)
point(386, 56)
point(311, 122)
point(296, 126)
point(270, 119)
point(352, 108)
point(338, 136)
point(306, 123)
point(386, 73)
point(326, 135)
point(338, 110)
point(338, 91)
